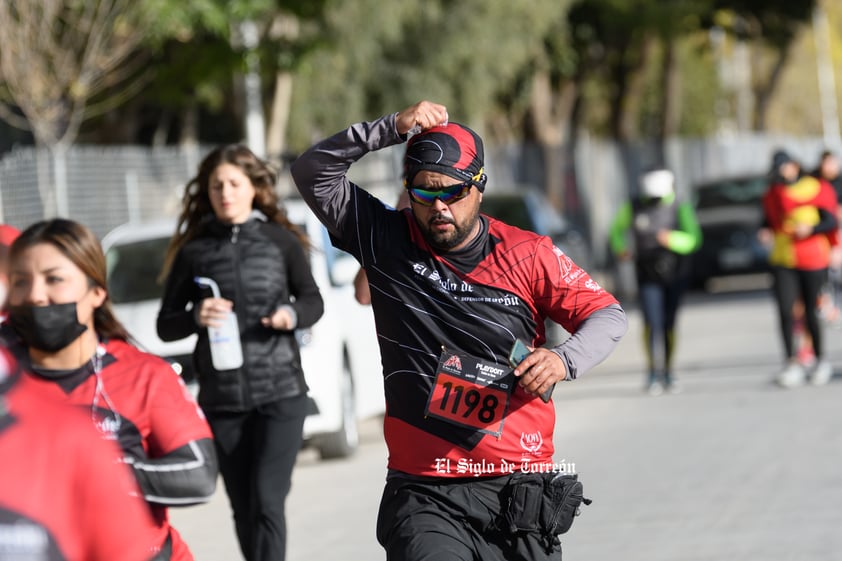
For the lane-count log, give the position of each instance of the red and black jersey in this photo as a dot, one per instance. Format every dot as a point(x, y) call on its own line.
point(136, 399)
point(446, 322)
point(64, 494)
point(478, 301)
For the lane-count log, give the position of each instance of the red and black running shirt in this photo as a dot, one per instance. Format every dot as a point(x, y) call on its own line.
point(476, 301)
point(64, 494)
point(141, 403)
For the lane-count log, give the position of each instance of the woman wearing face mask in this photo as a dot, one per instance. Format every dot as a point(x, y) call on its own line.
point(62, 330)
point(233, 230)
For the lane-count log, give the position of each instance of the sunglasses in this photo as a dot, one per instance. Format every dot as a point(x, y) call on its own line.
point(426, 196)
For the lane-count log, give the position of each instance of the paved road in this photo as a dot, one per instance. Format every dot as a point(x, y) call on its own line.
point(732, 468)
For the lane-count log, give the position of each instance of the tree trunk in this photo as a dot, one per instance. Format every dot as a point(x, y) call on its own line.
point(763, 92)
point(628, 77)
point(43, 163)
point(279, 116)
point(551, 111)
point(59, 154)
point(162, 129)
point(189, 126)
point(628, 120)
point(671, 106)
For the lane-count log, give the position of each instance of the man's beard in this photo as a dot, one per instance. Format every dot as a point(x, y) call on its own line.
point(445, 241)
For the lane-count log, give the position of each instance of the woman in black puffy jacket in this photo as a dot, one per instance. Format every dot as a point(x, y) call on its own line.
point(233, 230)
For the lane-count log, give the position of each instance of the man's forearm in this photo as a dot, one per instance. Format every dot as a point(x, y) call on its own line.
point(594, 340)
point(320, 172)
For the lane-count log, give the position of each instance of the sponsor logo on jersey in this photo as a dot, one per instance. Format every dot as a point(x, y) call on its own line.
point(569, 272)
point(593, 285)
point(531, 441)
point(453, 364)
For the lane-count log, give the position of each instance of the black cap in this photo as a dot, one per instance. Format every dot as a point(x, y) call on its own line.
point(780, 158)
point(451, 149)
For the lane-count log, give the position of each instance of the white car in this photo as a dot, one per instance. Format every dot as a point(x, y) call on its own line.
point(339, 354)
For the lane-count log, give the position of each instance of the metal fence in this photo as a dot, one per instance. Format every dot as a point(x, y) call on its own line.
point(110, 185)
point(106, 185)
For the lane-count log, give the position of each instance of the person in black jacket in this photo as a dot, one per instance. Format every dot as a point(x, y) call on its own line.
point(232, 229)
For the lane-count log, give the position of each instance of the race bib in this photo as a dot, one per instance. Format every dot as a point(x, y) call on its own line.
point(471, 392)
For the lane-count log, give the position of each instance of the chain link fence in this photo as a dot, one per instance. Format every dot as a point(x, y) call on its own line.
point(110, 185)
point(105, 185)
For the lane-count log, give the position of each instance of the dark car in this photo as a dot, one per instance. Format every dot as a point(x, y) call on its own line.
point(730, 214)
point(529, 209)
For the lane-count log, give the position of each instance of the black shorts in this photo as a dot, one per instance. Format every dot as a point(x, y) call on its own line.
point(467, 519)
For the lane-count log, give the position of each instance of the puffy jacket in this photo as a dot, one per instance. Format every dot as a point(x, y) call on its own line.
point(260, 266)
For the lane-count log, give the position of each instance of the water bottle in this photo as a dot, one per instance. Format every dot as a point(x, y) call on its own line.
point(226, 351)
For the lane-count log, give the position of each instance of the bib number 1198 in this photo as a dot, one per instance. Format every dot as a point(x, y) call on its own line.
point(470, 399)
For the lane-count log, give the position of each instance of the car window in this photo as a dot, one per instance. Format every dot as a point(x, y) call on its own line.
point(510, 209)
point(548, 221)
point(747, 190)
point(133, 270)
point(528, 211)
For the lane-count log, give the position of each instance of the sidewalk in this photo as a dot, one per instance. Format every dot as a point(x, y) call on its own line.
point(734, 468)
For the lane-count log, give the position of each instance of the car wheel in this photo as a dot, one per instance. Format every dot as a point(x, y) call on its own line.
point(343, 442)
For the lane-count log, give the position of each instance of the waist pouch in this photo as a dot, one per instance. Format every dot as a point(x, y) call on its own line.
point(541, 503)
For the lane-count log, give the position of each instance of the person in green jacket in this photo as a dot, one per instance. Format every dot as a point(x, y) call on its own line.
point(659, 231)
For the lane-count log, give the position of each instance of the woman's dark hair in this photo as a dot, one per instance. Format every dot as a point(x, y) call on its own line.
point(196, 204)
point(82, 248)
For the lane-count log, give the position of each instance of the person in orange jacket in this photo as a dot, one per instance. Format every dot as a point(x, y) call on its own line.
point(800, 212)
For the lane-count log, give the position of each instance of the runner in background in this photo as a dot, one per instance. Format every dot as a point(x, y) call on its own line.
point(830, 170)
point(234, 230)
point(800, 211)
point(658, 231)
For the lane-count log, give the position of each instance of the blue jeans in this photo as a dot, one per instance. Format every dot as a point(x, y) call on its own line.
point(659, 302)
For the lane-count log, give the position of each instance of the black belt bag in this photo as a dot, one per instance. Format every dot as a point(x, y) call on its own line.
point(543, 503)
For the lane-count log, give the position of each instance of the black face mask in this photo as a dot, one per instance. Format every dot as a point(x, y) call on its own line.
point(47, 328)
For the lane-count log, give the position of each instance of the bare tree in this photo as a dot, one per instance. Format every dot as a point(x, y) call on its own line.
point(62, 62)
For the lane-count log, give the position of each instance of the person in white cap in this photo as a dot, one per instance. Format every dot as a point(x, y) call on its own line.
point(664, 230)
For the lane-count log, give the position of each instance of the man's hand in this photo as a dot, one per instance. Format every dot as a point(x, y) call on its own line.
point(424, 114)
point(540, 370)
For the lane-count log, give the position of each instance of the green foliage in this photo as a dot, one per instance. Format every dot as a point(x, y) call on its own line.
point(776, 21)
point(358, 59)
point(700, 89)
point(388, 55)
point(196, 54)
